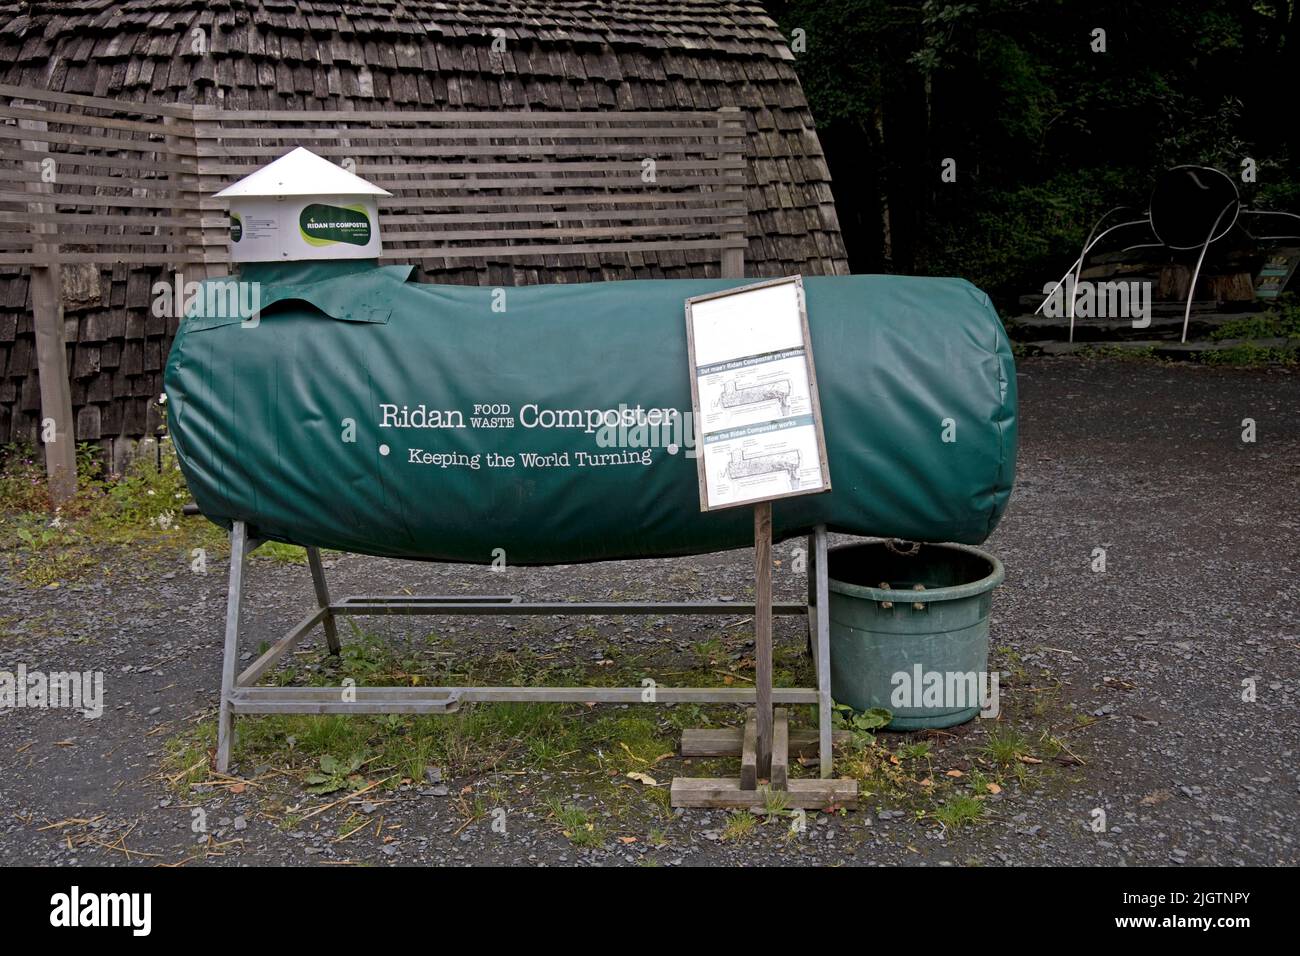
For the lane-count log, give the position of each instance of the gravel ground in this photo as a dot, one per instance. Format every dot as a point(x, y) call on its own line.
point(1199, 594)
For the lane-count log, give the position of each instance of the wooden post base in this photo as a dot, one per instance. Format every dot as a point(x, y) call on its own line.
point(745, 792)
point(725, 793)
point(726, 742)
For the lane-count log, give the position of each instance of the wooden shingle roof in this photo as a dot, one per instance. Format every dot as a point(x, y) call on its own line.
point(412, 54)
point(435, 54)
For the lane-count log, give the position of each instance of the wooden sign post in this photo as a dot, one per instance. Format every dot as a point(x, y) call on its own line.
point(758, 422)
point(763, 634)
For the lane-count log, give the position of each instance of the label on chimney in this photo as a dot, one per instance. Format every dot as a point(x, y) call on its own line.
point(324, 225)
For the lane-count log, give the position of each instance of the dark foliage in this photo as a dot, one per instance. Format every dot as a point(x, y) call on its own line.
point(1047, 134)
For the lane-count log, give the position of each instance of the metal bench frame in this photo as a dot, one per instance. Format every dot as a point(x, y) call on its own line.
point(240, 693)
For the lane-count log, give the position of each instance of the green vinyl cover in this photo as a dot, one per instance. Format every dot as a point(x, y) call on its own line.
point(363, 412)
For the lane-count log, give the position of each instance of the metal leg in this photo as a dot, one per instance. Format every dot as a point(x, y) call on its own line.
point(323, 599)
point(1191, 286)
point(811, 562)
point(1078, 270)
point(823, 644)
point(234, 597)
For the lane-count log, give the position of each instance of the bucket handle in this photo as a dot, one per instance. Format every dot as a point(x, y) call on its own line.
point(895, 545)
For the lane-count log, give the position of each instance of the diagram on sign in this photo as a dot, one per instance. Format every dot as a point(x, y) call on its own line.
point(754, 390)
point(732, 396)
point(745, 466)
point(766, 461)
point(755, 395)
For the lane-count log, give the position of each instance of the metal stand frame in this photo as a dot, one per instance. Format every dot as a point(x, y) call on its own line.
point(241, 695)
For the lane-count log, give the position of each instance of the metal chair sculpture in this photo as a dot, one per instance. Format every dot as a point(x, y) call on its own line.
point(1191, 207)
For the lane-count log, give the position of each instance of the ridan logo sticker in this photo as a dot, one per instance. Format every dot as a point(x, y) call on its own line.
point(324, 225)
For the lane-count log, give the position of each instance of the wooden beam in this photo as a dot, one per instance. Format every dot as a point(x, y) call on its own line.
point(537, 118)
point(705, 130)
point(733, 258)
point(726, 741)
point(726, 792)
point(780, 749)
point(123, 255)
point(83, 140)
point(117, 222)
point(392, 222)
point(630, 230)
point(749, 754)
point(680, 148)
point(57, 429)
point(94, 161)
point(704, 201)
point(186, 242)
point(97, 102)
point(98, 200)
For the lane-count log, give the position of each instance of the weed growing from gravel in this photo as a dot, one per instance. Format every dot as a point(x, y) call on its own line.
point(774, 801)
point(915, 751)
point(141, 509)
point(575, 823)
point(335, 775)
point(960, 811)
point(1005, 746)
point(739, 826)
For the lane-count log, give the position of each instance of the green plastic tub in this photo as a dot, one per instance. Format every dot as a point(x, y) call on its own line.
point(921, 652)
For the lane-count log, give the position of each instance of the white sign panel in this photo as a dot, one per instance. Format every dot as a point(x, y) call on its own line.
point(754, 391)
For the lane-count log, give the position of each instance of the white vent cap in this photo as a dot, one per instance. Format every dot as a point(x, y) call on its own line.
point(301, 173)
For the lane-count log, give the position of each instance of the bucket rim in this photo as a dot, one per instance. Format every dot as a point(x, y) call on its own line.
point(955, 593)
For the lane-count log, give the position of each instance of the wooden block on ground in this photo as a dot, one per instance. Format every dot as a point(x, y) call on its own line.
point(780, 749)
point(726, 792)
point(749, 754)
point(726, 742)
point(712, 742)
